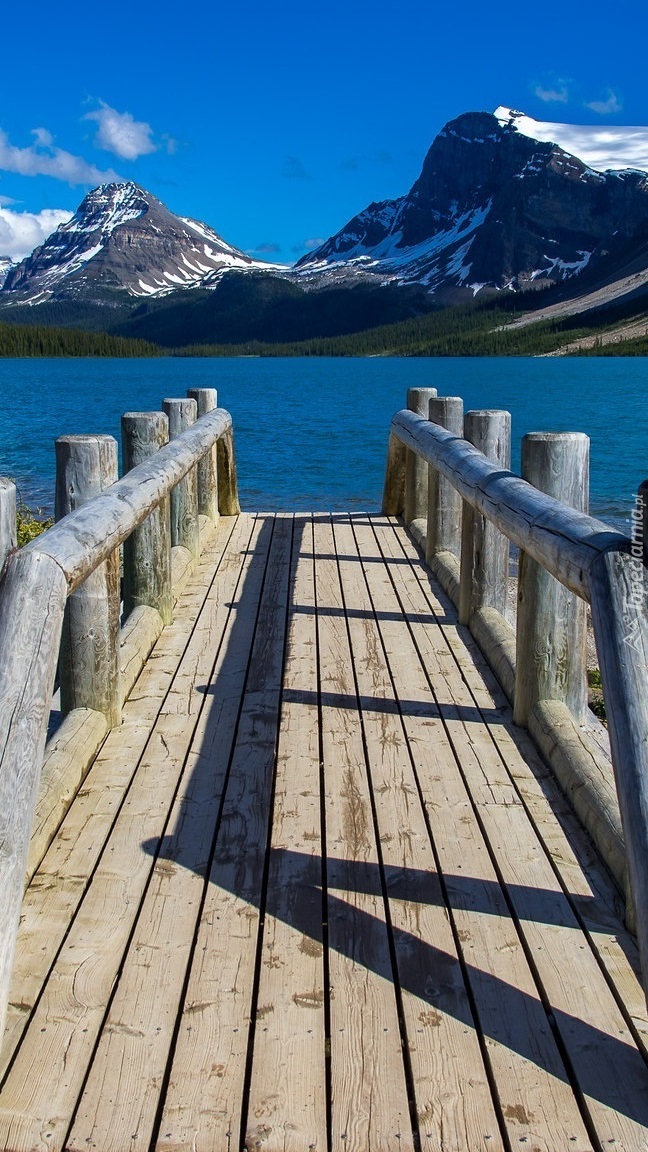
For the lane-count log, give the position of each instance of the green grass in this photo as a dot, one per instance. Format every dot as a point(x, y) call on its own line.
point(595, 694)
point(30, 523)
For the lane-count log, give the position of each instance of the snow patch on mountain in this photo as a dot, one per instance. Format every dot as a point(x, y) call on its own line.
point(112, 206)
point(604, 149)
point(6, 264)
point(443, 254)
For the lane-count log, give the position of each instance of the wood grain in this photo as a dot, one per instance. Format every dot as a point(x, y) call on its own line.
point(452, 741)
point(74, 999)
point(89, 654)
point(287, 1105)
point(147, 551)
point(566, 542)
point(7, 518)
point(203, 1108)
point(442, 1041)
point(369, 1096)
point(207, 469)
point(178, 914)
point(31, 618)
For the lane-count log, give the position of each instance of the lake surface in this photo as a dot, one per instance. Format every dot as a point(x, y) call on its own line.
point(312, 433)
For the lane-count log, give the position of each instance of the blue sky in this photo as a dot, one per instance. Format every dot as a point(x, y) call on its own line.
point(275, 123)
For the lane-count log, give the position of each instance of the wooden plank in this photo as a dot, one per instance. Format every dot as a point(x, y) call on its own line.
point(68, 757)
point(610, 1072)
point(443, 1045)
point(137, 639)
point(535, 1099)
point(120, 1099)
point(43, 1083)
point(369, 1092)
point(288, 1094)
point(614, 1081)
point(203, 1108)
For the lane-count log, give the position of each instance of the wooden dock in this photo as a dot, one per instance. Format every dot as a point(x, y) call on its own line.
point(319, 893)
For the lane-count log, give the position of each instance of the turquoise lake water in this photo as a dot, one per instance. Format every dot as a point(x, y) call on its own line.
point(312, 433)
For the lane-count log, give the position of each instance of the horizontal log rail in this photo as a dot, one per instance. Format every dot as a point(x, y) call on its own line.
point(564, 541)
point(80, 542)
point(37, 583)
point(596, 563)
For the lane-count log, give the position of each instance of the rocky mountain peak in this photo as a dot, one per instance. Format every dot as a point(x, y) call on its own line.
point(122, 238)
point(109, 206)
point(501, 203)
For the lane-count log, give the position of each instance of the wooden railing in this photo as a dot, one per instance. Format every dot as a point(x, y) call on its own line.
point(60, 604)
point(464, 505)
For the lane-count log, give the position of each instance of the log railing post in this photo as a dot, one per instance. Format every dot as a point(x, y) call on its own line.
point(416, 470)
point(551, 621)
point(207, 470)
point(147, 551)
point(393, 501)
point(228, 499)
point(484, 549)
point(185, 531)
point(33, 598)
point(444, 502)
point(7, 518)
point(89, 656)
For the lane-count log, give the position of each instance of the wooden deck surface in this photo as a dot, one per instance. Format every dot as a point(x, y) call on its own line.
point(318, 893)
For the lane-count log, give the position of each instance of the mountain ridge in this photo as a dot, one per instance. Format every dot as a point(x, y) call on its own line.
point(123, 239)
point(493, 209)
point(500, 209)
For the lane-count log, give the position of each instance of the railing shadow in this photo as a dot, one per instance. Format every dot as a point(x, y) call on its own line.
point(432, 974)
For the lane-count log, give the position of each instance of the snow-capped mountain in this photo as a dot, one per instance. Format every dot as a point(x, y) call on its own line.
point(503, 202)
point(123, 238)
point(500, 204)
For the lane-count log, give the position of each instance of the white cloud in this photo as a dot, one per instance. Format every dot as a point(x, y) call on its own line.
point(557, 95)
point(21, 232)
point(120, 133)
point(606, 107)
point(43, 158)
